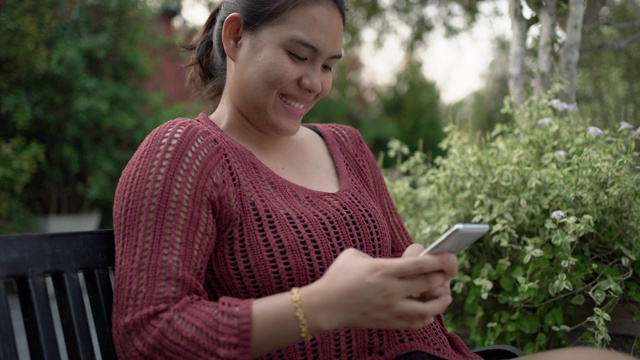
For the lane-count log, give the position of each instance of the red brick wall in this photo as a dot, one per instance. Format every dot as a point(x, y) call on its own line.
point(170, 76)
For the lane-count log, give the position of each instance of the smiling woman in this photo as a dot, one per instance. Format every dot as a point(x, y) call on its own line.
point(244, 234)
point(277, 74)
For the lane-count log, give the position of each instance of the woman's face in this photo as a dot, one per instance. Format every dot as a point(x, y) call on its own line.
point(284, 68)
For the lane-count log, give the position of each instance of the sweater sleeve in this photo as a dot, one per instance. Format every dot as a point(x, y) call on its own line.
point(164, 223)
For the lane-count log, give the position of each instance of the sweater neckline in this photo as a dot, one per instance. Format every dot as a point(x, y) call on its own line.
point(329, 140)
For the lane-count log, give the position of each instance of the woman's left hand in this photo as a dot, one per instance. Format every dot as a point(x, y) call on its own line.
point(445, 288)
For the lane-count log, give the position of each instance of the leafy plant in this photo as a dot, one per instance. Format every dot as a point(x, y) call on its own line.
point(561, 197)
point(18, 162)
point(71, 82)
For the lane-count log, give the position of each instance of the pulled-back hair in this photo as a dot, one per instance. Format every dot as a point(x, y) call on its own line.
point(207, 64)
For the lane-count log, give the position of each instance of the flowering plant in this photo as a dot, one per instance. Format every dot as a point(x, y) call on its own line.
point(563, 202)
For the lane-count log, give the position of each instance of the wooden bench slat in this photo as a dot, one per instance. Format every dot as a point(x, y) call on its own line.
point(73, 317)
point(8, 348)
point(37, 317)
point(100, 293)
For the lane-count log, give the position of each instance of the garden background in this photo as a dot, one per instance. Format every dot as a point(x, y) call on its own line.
point(545, 152)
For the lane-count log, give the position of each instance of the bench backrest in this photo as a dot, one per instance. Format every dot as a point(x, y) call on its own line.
point(56, 292)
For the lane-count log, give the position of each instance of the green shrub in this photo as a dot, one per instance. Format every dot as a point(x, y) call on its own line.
point(563, 202)
point(72, 74)
point(19, 161)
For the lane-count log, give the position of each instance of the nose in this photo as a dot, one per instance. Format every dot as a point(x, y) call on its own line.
point(311, 82)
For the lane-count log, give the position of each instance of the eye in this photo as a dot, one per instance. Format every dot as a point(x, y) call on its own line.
point(327, 68)
point(297, 58)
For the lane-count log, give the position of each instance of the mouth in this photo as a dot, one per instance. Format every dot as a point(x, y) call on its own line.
point(292, 102)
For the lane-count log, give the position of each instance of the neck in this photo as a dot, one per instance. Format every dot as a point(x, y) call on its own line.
point(241, 129)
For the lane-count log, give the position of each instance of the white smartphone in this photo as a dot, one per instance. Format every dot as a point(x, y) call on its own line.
point(457, 238)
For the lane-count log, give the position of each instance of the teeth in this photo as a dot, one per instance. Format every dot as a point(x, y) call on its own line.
point(291, 102)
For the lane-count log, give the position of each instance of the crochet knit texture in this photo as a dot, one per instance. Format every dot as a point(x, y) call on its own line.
point(203, 227)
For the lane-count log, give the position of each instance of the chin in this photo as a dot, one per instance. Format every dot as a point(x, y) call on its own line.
point(289, 127)
point(291, 130)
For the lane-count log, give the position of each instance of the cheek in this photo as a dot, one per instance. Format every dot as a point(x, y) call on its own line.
point(275, 75)
point(326, 85)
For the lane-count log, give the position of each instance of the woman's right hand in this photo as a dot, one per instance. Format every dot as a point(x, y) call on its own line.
point(364, 292)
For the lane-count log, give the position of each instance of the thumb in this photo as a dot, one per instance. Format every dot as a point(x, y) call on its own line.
point(413, 250)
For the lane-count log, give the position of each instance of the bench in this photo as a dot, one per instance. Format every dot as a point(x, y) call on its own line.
point(59, 287)
point(56, 294)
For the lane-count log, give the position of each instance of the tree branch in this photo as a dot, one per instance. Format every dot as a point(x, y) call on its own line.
point(622, 25)
point(613, 45)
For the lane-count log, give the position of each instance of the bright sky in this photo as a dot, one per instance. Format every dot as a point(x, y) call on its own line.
point(455, 64)
point(458, 64)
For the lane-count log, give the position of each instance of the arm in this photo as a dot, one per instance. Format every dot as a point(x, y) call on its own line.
point(357, 291)
point(164, 224)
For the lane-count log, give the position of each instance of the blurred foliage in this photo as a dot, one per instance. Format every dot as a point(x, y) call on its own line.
point(410, 112)
point(413, 18)
point(19, 161)
point(408, 109)
point(608, 74)
point(561, 197)
point(71, 83)
point(609, 81)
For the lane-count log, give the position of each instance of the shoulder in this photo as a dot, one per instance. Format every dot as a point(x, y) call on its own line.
point(177, 142)
point(182, 130)
point(182, 136)
point(344, 135)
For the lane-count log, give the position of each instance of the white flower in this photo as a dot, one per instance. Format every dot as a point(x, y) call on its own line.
point(544, 121)
point(562, 106)
point(558, 105)
point(595, 131)
point(626, 125)
point(558, 215)
point(560, 153)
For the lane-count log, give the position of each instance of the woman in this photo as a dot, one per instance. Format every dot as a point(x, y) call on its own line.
point(244, 234)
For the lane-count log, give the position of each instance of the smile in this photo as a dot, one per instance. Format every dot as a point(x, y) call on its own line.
point(291, 102)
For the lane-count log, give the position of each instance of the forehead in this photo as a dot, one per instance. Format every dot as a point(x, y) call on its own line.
point(319, 23)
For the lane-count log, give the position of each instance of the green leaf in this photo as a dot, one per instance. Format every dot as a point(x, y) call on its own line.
point(578, 299)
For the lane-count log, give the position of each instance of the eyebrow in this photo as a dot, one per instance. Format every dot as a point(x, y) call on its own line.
point(313, 48)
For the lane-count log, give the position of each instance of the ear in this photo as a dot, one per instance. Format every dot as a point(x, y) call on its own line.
point(232, 32)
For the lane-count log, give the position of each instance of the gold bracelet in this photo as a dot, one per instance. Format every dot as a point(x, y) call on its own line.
point(302, 321)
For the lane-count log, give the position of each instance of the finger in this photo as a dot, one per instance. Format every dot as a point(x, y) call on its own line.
point(409, 309)
point(413, 250)
point(414, 265)
point(450, 263)
point(355, 253)
point(424, 283)
point(437, 306)
point(435, 293)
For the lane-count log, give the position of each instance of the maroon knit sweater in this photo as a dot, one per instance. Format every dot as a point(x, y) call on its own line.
point(203, 227)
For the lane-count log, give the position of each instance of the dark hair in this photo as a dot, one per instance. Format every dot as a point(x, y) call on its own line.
point(207, 64)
